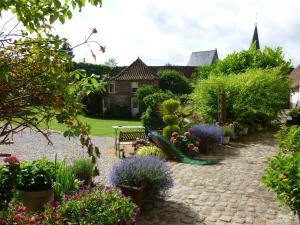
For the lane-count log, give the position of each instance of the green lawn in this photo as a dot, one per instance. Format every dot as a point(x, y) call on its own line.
point(99, 127)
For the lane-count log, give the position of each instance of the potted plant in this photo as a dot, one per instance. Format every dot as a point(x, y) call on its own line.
point(141, 176)
point(35, 181)
point(187, 143)
point(83, 170)
point(207, 133)
point(228, 133)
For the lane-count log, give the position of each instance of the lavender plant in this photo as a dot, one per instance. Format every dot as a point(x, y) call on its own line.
point(150, 171)
point(207, 130)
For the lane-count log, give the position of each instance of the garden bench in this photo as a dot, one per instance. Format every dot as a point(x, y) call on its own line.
point(127, 138)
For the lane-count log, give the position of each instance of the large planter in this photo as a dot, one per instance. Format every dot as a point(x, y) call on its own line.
point(204, 144)
point(35, 200)
point(226, 140)
point(137, 194)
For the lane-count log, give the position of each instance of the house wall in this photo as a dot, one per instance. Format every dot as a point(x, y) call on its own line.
point(123, 94)
point(295, 98)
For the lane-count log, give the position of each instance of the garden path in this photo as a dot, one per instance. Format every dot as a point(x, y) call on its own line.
point(223, 194)
point(228, 193)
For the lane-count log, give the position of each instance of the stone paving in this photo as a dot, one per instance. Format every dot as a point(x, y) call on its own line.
point(228, 193)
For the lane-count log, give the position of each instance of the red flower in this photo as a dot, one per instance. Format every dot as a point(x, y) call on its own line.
point(56, 216)
point(59, 222)
point(3, 222)
point(17, 217)
point(21, 209)
point(11, 159)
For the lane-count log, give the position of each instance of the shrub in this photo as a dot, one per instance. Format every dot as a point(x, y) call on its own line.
point(170, 119)
point(152, 150)
point(83, 170)
point(168, 130)
point(207, 130)
point(142, 170)
point(170, 106)
point(151, 118)
point(117, 112)
point(175, 82)
point(6, 186)
point(288, 139)
point(142, 92)
point(93, 104)
point(36, 176)
point(255, 96)
point(282, 176)
point(99, 206)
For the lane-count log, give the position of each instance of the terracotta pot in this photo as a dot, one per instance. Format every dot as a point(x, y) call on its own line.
point(137, 194)
point(35, 200)
point(226, 140)
point(204, 145)
point(245, 131)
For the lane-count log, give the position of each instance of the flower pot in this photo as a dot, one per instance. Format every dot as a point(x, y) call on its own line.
point(35, 200)
point(137, 194)
point(204, 144)
point(226, 140)
point(245, 130)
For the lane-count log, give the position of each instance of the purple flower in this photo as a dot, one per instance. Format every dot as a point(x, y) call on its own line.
point(207, 130)
point(142, 170)
point(107, 188)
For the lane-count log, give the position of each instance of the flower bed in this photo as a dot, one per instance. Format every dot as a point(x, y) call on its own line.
point(98, 205)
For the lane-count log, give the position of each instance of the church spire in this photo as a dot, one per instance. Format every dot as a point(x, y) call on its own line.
point(255, 39)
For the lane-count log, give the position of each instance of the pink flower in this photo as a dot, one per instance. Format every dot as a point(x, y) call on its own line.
point(175, 134)
point(22, 209)
point(17, 217)
point(11, 159)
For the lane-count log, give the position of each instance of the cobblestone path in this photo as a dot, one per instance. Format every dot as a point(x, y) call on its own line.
point(228, 193)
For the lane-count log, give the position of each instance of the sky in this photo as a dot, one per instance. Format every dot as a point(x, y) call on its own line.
point(168, 31)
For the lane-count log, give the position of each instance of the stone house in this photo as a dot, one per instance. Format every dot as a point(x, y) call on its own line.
point(123, 86)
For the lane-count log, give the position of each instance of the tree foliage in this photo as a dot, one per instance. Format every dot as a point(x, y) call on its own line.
point(240, 62)
point(255, 96)
point(152, 117)
point(35, 83)
point(38, 15)
point(171, 80)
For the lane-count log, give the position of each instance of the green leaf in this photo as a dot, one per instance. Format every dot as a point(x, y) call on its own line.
point(4, 72)
point(62, 19)
point(53, 17)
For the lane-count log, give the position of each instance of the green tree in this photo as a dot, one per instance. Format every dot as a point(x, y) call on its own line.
point(38, 15)
point(171, 80)
point(35, 85)
point(240, 62)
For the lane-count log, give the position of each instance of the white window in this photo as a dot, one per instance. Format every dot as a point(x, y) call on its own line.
point(134, 86)
point(112, 87)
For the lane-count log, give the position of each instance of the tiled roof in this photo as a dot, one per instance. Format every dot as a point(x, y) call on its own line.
point(295, 77)
point(203, 57)
point(138, 70)
point(187, 71)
